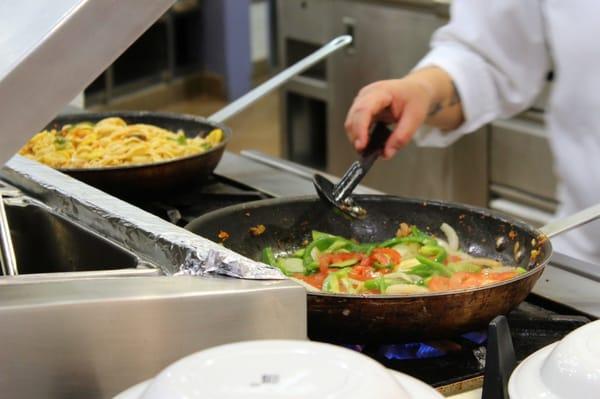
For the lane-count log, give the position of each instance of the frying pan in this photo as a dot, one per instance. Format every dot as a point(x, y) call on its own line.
point(385, 318)
point(163, 177)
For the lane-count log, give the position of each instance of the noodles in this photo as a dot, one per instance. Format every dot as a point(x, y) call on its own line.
point(112, 142)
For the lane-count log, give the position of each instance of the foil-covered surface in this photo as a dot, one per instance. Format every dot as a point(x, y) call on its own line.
point(175, 250)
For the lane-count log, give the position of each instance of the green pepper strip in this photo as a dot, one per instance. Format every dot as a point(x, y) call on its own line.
point(438, 252)
point(416, 236)
point(435, 267)
point(362, 248)
point(376, 284)
point(269, 258)
point(332, 282)
point(320, 244)
point(381, 283)
point(319, 235)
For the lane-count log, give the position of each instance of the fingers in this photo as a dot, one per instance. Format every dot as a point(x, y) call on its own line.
point(366, 107)
point(413, 116)
point(390, 101)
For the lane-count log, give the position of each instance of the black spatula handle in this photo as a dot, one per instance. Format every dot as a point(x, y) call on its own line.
point(379, 135)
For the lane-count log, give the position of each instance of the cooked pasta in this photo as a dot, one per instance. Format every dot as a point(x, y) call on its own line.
point(112, 142)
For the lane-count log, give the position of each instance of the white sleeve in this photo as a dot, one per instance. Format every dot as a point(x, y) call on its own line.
point(495, 51)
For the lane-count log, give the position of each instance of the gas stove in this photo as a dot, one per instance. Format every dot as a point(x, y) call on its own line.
point(454, 365)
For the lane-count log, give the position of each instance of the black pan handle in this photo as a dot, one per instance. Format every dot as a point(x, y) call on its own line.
point(357, 171)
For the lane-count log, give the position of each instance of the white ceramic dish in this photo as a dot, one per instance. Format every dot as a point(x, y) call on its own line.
point(566, 369)
point(279, 369)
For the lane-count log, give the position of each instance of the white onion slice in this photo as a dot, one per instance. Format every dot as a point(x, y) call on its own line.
point(450, 235)
point(405, 289)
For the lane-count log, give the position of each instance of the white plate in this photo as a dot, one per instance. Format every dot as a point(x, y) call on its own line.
point(415, 388)
point(564, 370)
point(279, 369)
point(526, 382)
point(272, 369)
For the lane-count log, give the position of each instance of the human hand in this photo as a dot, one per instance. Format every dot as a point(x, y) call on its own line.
point(405, 102)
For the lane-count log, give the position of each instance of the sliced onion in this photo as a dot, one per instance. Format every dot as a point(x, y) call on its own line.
point(315, 253)
point(500, 269)
point(408, 264)
point(461, 255)
point(451, 236)
point(402, 275)
point(443, 244)
point(405, 289)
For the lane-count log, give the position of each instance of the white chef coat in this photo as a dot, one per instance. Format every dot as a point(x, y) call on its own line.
point(498, 53)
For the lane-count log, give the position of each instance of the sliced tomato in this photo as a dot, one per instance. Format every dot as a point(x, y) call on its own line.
point(367, 261)
point(501, 276)
point(316, 280)
point(438, 283)
point(465, 280)
point(392, 256)
point(361, 273)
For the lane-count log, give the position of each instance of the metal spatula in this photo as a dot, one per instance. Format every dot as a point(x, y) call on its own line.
point(339, 195)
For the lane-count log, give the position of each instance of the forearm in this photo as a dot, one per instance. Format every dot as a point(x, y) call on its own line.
point(445, 111)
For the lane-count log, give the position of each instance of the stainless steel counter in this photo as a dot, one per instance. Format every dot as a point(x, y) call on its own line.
point(97, 329)
point(92, 338)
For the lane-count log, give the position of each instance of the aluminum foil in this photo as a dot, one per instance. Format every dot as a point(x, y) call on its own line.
point(175, 250)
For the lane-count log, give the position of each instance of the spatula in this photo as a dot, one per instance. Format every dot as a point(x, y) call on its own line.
point(340, 194)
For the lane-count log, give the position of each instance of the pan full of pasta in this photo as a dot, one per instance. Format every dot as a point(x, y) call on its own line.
point(131, 153)
point(134, 153)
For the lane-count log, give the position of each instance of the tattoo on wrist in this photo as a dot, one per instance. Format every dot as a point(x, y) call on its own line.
point(435, 108)
point(438, 106)
point(455, 99)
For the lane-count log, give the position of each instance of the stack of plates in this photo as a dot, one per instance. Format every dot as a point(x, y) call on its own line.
point(567, 369)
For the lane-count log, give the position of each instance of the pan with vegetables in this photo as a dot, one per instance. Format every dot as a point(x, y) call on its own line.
point(411, 269)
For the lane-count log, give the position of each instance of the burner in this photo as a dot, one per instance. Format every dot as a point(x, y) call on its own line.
point(413, 350)
point(478, 337)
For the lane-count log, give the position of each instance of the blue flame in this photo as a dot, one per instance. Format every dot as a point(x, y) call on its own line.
point(413, 350)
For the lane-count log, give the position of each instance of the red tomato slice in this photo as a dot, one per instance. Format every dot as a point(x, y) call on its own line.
point(438, 283)
point(465, 280)
point(367, 261)
point(392, 255)
point(361, 273)
point(501, 276)
point(316, 280)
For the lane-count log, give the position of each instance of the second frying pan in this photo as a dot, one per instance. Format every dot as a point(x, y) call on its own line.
point(163, 177)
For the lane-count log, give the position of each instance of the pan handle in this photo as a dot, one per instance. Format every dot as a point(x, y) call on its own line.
point(570, 222)
point(279, 79)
